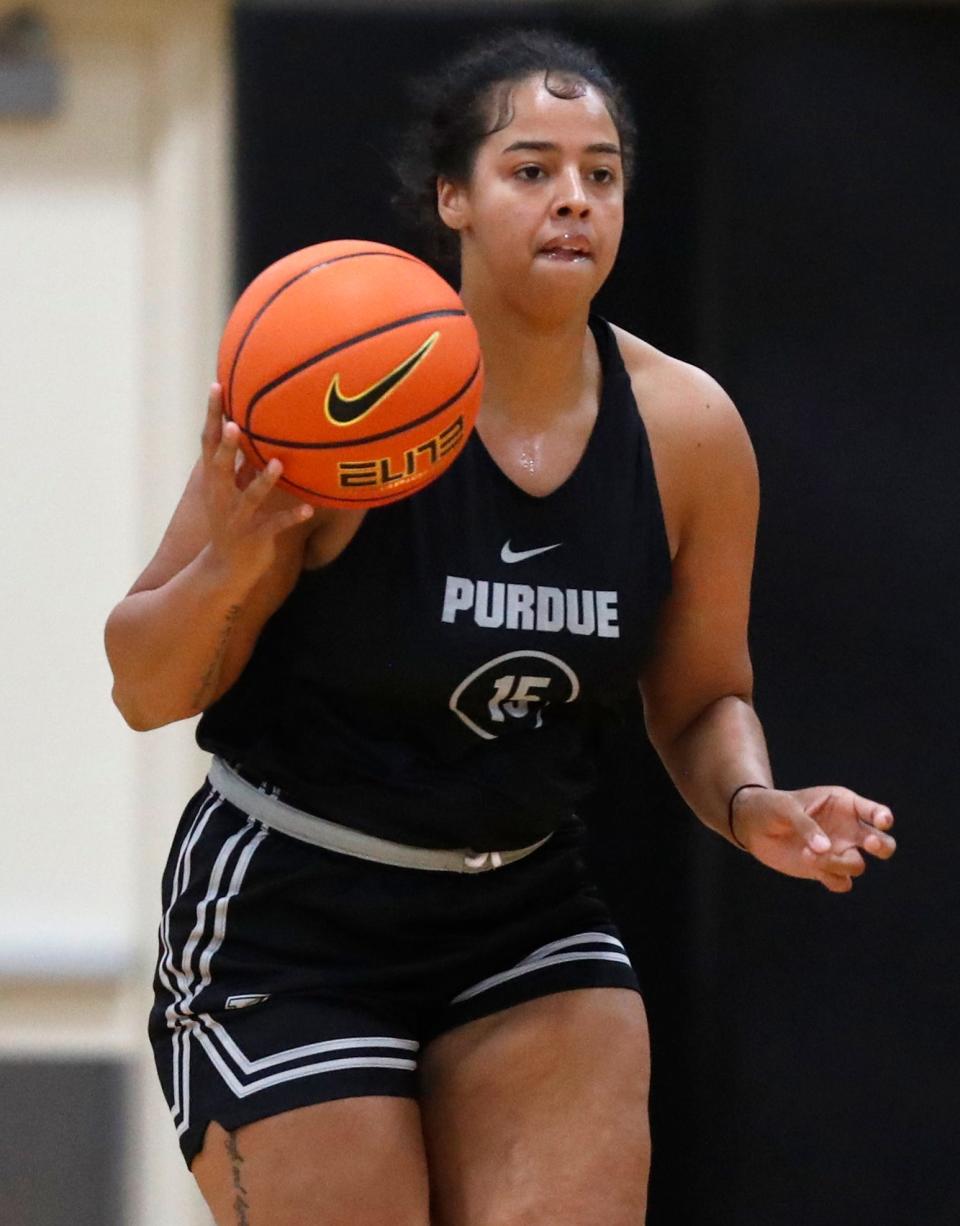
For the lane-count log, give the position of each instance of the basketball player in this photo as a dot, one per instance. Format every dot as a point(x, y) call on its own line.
point(387, 991)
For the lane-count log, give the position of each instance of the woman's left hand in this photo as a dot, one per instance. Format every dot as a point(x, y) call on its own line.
point(817, 832)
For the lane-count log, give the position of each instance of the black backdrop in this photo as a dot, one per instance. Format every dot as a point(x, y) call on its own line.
point(794, 231)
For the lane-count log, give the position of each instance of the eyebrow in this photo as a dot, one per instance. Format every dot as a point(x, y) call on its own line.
point(546, 146)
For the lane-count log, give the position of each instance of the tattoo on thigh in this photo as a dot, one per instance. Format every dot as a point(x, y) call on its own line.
point(240, 1203)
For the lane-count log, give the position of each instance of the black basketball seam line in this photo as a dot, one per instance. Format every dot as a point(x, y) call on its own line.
point(373, 438)
point(353, 340)
point(351, 255)
point(262, 458)
point(370, 438)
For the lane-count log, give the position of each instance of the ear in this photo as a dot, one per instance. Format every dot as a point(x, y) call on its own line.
point(452, 203)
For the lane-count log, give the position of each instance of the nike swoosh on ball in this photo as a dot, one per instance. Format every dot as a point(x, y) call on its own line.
point(344, 410)
point(508, 555)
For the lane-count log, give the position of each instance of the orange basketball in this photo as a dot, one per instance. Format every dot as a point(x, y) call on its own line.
point(357, 366)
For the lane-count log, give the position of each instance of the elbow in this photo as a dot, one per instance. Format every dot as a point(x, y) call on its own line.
point(144, 716)
point(143, 708)
point(666, 729)
point(134, 717)
point(140, 695)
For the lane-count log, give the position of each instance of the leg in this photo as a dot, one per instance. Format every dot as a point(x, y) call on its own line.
point(349, 1162)
point(313, 1090)
point(537, 1115)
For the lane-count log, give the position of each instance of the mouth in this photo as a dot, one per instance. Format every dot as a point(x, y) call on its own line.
point(568, 249)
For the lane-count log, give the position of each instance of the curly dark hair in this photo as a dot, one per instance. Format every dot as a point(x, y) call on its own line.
point(471, 97)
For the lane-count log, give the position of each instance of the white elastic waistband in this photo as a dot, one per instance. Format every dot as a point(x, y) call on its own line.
point(278, 815)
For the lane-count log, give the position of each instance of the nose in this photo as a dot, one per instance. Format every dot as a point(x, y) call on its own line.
point(571, 200)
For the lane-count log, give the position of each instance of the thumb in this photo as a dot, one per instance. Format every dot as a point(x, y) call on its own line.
point(809, 830)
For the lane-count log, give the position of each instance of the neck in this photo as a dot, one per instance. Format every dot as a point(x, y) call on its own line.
point(536, 367)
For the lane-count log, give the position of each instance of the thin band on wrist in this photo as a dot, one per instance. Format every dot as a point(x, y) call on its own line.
point(730, 810)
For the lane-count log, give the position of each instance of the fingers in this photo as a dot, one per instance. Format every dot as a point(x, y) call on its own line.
point(816, 840)
point(231, 464)
point(290, 518)
point(212, 425)
point(875, 819)
point(877, 844)
point(264, 481)
point(836, 873)
point(237, 478)
point(829, 829)
point(256, 492)
point(245, 472)
point(220, 440)
point(836, 884)
point(225, 456)
point(871, 812)
point(254, 489)
point(835, 870)
point(872, 819)
point(847, 863)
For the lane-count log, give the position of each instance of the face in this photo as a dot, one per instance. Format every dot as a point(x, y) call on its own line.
point(542, 213)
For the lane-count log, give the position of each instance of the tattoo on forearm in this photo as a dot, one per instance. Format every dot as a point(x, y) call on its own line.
point(213, 670)
point(240, 1203)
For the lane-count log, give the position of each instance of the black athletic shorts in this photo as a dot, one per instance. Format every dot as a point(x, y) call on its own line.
point(290, 975)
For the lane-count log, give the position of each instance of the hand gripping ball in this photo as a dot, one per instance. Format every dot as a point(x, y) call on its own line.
point(357, 366)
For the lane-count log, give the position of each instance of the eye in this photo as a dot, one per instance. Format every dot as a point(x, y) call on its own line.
point(529, 173)
point(603, 174)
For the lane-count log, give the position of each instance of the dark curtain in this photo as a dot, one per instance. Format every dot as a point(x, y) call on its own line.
point(793, 230)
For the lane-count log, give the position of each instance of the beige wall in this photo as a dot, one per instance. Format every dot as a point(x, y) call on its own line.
point(114, 243)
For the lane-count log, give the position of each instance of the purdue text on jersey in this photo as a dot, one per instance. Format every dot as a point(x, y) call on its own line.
point(518, 606)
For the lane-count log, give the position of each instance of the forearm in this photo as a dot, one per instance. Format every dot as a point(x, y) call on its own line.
point(723, 748)
point(167, 647)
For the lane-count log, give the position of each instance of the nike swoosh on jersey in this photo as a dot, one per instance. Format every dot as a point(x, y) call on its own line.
point(508, 555)
point(345, 410)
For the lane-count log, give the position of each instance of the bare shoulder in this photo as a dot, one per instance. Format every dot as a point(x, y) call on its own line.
point(678, 396)
point(697, 437)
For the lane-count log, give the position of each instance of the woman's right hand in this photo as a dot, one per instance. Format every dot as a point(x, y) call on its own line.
point(246, 513)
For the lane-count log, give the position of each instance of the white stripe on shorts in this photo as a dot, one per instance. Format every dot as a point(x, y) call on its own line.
point(582, 938)
point(220, 915)
point(184, 1072)
point(181, 880)
point(294, 1074)
point(543, 957)
point(179, 1010)
point(247, 1066)
point(186, 973)
point(165, 964)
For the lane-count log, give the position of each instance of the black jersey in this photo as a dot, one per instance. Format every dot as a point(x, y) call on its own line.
point(444, 681)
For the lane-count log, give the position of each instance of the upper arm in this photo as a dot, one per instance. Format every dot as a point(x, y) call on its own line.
point(701, 651)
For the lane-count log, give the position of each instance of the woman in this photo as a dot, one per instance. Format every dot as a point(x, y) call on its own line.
point(387, 990)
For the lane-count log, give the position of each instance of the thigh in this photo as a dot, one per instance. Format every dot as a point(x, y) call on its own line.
point(538, 1114)
point(351, 1162)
